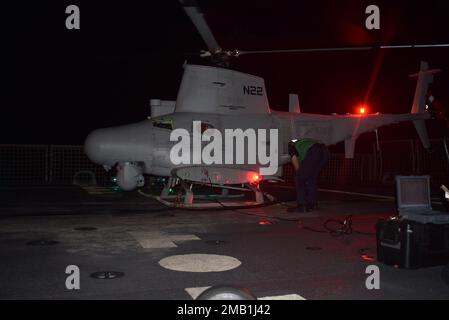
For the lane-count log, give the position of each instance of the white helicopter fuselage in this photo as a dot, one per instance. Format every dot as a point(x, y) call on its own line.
point(225, 99)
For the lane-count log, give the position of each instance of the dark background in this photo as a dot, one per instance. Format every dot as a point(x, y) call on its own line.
point(61, 84)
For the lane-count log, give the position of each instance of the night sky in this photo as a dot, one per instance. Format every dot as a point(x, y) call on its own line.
point(61, 84)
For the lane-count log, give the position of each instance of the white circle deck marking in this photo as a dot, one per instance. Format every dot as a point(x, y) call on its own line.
point(200, 263)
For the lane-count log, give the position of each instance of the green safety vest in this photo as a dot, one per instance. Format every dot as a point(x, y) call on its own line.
point(302, 146)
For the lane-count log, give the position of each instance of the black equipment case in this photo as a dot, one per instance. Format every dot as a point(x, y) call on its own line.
point(411, 244)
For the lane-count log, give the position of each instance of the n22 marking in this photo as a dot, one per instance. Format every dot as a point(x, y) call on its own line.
point(253, 90)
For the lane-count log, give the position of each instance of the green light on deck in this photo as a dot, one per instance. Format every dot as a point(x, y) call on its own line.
point(114, 179)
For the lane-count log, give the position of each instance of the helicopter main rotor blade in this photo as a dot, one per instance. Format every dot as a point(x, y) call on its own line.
point(443, 45)
point(192, 10)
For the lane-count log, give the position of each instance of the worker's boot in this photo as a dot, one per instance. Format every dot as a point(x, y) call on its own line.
point(311, 207)
point(298, 209)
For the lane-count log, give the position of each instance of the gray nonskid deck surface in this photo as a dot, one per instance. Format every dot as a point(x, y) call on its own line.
point(278, 257)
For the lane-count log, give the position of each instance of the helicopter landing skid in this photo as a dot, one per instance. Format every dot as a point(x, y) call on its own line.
point(211, 201)
point(225, 205)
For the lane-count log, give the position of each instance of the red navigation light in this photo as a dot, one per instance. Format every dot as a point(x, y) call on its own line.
point(362, 109)
point(254, 178)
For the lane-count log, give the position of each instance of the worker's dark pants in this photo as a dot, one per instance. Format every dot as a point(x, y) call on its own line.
point(307, 175)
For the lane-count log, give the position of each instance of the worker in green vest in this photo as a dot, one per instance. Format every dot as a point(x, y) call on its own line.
point(308, 158)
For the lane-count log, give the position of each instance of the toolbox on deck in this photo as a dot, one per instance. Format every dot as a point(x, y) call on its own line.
point(411, 245)
point(419, 236)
